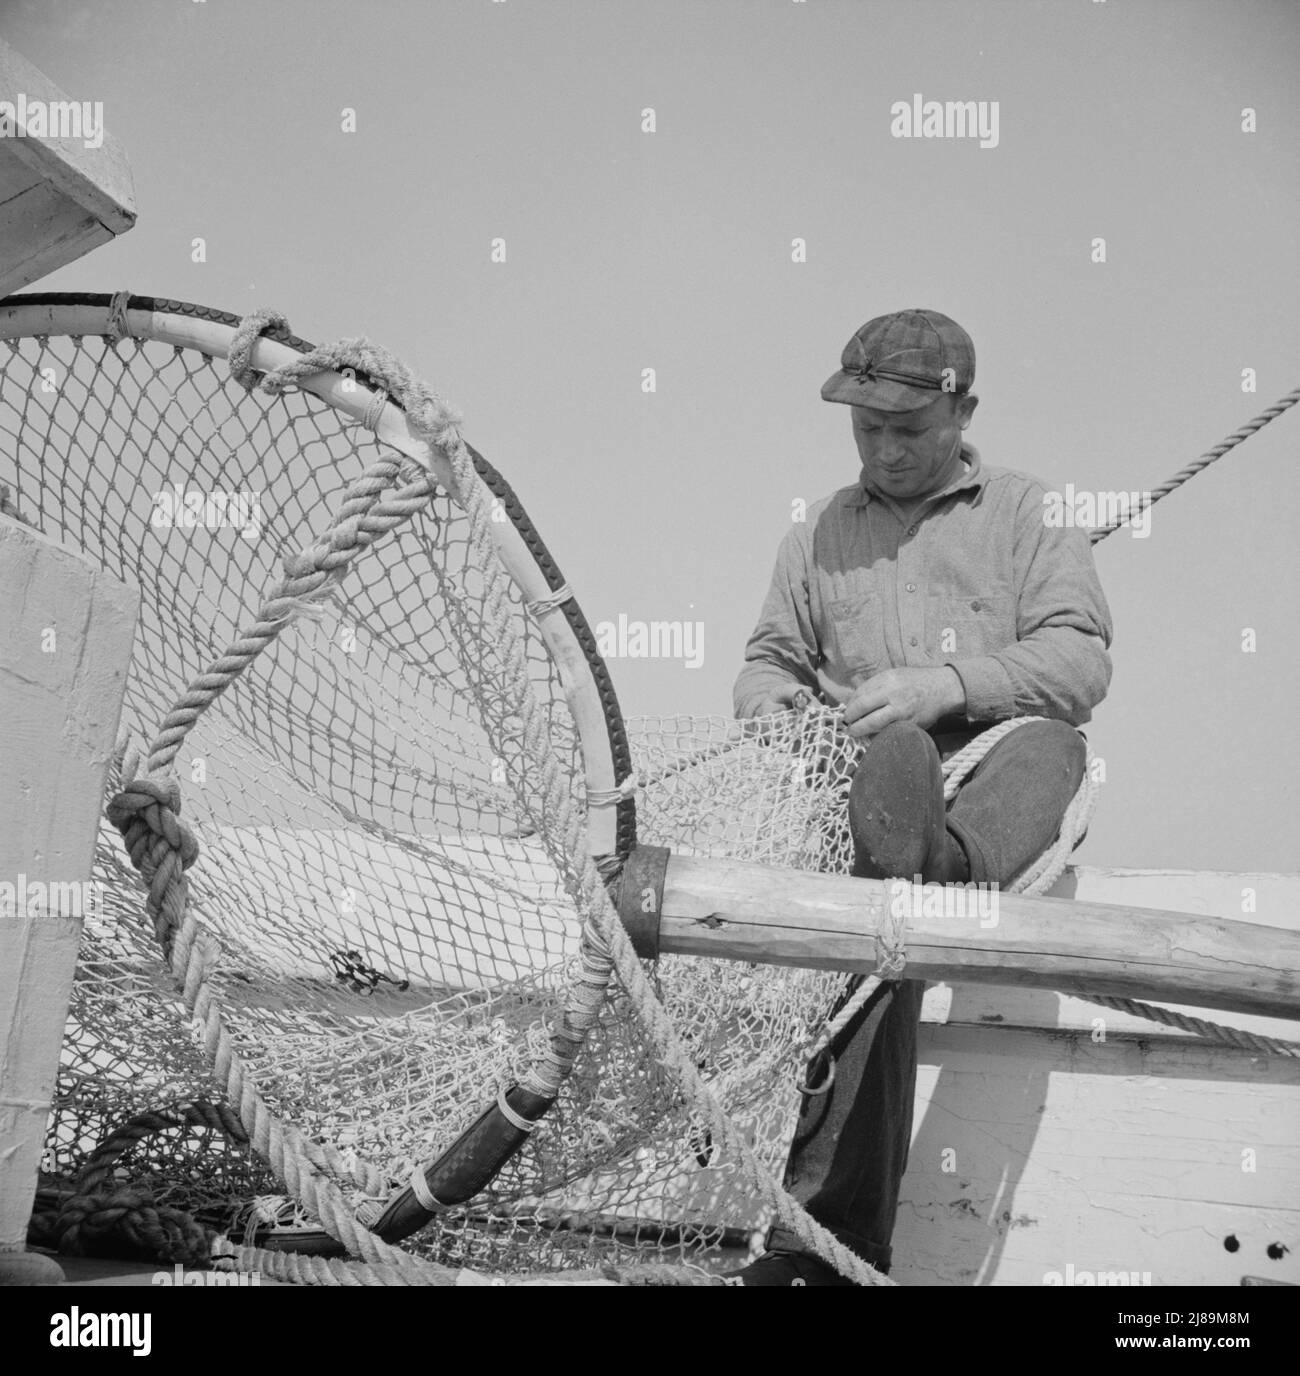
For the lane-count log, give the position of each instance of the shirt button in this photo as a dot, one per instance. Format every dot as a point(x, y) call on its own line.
point(975, 606)
point(911, 587)
point(913, 640)
point(911, 530)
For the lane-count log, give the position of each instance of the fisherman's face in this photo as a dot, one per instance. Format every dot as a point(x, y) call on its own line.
point(910, 454)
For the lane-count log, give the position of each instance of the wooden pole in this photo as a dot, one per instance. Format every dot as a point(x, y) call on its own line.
point(738, 910)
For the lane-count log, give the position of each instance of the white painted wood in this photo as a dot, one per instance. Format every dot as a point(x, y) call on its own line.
point(60, 715)
point(1128, 1155)
point(58, 198)
point(1037, 1151)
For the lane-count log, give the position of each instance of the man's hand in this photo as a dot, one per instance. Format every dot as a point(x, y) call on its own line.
point(780, 699)
point(919, 695)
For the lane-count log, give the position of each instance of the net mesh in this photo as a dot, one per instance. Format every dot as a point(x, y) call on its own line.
point(394, 936)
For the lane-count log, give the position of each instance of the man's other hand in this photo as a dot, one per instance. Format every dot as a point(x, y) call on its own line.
point(919, 695)
point(779, 699)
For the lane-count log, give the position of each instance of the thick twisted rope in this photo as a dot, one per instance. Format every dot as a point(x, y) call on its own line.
point(1197, 465)
point(121, 1222)
point(93, 1217)
point(1235, 1037)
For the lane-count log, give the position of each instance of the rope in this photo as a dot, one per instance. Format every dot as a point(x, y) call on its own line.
point(95, 1219)
point(121, 1222)
point(1197, 465)
point(1235, 1037)
point(119, 327)
point(297, 1268)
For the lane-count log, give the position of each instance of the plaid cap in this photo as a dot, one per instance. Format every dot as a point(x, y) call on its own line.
point(897, 362)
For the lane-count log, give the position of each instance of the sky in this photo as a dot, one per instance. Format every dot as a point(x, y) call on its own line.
point(674, 249)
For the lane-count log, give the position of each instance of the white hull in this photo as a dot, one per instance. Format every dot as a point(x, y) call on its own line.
point(1137, 1155)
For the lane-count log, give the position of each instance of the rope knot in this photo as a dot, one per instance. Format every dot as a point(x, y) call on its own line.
point(251, 327)
point(439, 421)
point(160, 845)
point(150, 806)
point(127, 1220)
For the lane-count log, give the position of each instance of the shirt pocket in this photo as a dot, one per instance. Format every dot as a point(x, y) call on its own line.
point(853, 645)
point(978, 624)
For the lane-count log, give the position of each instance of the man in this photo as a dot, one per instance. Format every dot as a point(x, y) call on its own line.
point(931, 599)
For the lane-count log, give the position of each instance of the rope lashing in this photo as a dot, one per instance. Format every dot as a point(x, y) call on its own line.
point(1197, 465)
point(611, 797)
point(891, 942)
point(375, 411)
point(118, 326)
point(540, 606)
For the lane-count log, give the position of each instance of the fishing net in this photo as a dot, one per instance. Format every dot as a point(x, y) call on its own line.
point(389, 898)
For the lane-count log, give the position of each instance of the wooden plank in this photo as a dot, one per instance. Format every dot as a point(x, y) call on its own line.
point(41, 231)
point(743, 911)
point(1034, 1152)
point(65, 645)
point(87, 193)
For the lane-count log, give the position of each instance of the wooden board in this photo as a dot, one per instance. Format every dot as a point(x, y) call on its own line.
point(1036, 1152)
point(1149, 1153)
point(65, 648)
point(59, 197)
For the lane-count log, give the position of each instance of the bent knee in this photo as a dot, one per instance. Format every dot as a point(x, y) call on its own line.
point(1057, 744)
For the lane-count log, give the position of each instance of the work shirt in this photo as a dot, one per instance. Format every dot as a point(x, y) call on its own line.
point(976, 578)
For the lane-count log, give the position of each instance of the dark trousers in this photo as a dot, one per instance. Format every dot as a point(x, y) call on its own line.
point(851, 1141)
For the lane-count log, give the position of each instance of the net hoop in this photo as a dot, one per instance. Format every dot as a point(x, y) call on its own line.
point(588, 688)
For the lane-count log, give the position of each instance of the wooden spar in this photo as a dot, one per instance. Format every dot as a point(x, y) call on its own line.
point(739, 910)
